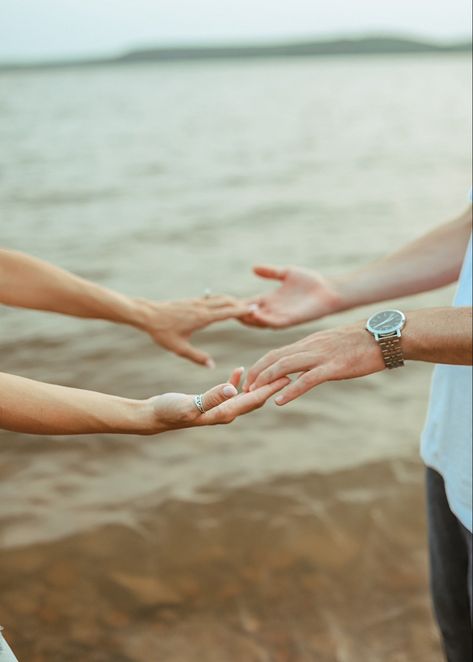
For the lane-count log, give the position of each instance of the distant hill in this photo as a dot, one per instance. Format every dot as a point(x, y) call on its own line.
point(361, 46)
point(373, 45)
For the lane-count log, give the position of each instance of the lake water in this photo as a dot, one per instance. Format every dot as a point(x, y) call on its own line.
point(163, 181)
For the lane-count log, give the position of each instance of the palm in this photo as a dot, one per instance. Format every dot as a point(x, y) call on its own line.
point(302, 296)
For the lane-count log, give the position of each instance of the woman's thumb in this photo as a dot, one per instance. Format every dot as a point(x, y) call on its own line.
point(216, 396)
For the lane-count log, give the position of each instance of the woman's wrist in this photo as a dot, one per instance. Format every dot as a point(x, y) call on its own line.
point(126, 416)
point(140, 417)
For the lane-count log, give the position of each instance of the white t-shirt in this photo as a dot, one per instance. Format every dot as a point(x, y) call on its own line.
point(447, 437)
point(6, 653)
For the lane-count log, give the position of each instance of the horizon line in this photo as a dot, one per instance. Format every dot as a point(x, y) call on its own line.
point(121, 54)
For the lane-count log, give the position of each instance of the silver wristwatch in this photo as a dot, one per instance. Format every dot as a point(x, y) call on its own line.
point(386, 328)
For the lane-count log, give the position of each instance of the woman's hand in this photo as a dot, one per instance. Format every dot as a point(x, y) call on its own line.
point(303, 296)
point(222, 405)
point(171, 324)
point(343, 353)
point(37, 408)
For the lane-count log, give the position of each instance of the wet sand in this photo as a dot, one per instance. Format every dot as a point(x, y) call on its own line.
point(319, 568)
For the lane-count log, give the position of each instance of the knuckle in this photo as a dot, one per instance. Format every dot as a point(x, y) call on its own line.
point(284, 363)
point(306, 380)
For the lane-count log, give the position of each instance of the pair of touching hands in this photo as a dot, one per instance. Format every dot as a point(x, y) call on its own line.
point(301, 296)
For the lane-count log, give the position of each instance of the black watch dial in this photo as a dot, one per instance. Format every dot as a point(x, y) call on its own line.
point(387, 321)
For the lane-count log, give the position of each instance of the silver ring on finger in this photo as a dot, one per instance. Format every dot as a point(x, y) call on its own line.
point(199, 403)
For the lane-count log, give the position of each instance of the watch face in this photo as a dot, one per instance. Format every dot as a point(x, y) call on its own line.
point(389, 321)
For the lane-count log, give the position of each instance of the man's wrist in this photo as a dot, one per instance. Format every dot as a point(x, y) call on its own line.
point(340, 295)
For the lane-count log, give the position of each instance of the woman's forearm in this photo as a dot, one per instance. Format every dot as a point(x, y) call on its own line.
point(38, 408)
point(27, 282)
point(428, 263)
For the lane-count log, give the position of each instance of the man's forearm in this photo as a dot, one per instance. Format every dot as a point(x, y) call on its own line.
point(439, 335)
point(38, 408)
point(27, 282)
point(428, 263)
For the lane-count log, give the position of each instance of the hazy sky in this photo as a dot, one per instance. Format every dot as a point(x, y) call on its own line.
point(54, 28)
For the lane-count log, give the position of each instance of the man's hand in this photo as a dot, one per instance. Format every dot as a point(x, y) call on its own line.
point(343, 353)
point(302, 296)
point(171, 324)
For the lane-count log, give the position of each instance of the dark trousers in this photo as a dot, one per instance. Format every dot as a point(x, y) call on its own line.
point(451, 572)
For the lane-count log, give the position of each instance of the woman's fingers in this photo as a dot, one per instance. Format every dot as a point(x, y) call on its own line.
point(219, 300)
point(184, 349)
point(217, 395)
point(266, 318)
point(227, 304)
point(247, 402)
point(242, 404)
point(236, 310)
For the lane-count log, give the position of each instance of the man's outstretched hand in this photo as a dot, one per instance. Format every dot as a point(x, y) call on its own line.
point(302, 296)
point(343, 353)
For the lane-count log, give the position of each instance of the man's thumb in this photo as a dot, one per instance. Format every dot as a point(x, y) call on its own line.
point(272, 273)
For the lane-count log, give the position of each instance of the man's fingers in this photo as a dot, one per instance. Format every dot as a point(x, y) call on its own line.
point(263, 363)
point(305, 383)
point(217, 395)
point(285, 366)
point(270, 272)
point(184, 349)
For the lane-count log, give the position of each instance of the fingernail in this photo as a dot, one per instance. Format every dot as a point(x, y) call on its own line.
point(253, 307)
point(210, 363)
point(279, 400)
point(229, 391)
point(252, 388)
point(241, 369)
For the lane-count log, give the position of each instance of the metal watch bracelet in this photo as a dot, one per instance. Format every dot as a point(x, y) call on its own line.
point(392, 351)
